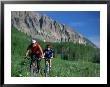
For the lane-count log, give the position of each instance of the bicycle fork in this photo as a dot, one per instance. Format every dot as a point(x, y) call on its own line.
point(47, 68)
point(34, 69)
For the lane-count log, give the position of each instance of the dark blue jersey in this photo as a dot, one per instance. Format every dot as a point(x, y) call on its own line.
point(48, 53)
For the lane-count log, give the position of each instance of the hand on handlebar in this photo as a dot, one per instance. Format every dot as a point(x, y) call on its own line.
point(51, 57)
point(43, 57)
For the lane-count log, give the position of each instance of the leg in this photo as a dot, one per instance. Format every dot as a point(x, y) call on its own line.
point(38, 65)
point(46, 69)
point(33, 60)
point(30, 64)
point(46, 64)
point(33, 65)
point(50, 63)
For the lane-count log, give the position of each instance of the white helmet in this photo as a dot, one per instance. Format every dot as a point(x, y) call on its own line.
point(33, 41)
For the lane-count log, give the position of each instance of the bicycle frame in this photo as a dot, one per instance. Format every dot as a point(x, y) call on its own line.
point(47, 67)
point(34, 67)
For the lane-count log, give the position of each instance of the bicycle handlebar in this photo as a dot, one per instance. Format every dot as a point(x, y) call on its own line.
point(45, 58)
point(40, 57)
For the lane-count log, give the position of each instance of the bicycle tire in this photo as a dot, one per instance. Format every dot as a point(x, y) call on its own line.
point(34, 70)
point(47, 69)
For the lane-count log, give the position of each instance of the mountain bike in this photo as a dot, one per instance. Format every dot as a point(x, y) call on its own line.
point(33, 67)
point(47, 67)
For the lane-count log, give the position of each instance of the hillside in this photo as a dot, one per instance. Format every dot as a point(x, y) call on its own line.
point(43, 27)
point(79, 66)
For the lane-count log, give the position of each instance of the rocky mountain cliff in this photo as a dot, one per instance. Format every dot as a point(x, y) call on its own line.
point(44, 28)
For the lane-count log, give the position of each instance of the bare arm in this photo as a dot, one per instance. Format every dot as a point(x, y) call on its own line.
point(27, 53)
point(52, 55)
point(28, 50)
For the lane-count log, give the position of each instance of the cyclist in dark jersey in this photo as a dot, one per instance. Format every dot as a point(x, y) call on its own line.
point(48, 54)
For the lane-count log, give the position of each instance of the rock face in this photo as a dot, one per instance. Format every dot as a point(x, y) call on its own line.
point(44, 28)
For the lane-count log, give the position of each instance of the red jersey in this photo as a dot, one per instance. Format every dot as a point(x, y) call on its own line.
point(36, 50)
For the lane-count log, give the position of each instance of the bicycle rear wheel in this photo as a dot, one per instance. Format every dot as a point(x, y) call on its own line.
point(34, 69)
point(47, 68)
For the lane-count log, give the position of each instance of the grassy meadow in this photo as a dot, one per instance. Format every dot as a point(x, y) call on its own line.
point(77, 60)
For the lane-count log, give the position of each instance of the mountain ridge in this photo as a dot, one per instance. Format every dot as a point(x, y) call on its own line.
point(45, 28)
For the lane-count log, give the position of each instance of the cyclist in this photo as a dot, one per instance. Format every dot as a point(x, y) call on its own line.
point(48, 54)
point(36, 53)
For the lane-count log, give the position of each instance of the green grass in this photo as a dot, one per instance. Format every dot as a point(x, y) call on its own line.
point(60, 68)
point(64, 68)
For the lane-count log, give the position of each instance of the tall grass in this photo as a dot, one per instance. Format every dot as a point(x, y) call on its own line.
point(60, 68)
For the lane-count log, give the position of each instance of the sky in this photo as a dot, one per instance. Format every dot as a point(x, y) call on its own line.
point(86, 23)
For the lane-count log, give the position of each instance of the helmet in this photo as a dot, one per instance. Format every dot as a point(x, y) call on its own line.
point(33, 41)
